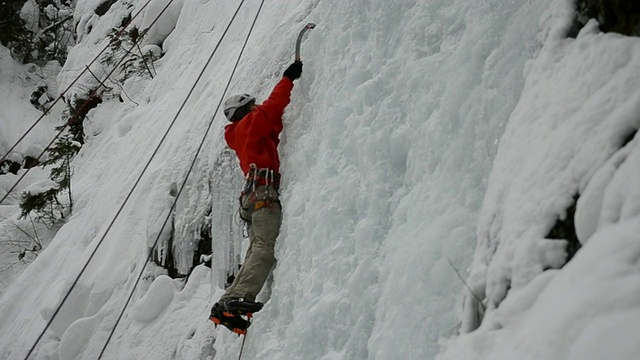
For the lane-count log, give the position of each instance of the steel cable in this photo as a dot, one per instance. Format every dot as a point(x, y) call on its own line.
point(184, 183)
point(64, 127)
point(86, 68)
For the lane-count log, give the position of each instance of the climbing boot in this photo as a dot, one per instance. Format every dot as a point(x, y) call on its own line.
point(234, 313)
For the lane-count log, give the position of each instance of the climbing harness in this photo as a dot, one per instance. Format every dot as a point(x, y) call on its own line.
point(260, 177)
point(260, 190)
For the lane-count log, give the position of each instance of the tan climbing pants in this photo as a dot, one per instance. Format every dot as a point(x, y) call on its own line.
point(261, 208)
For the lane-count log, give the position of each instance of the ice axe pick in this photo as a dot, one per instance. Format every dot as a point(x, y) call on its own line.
point(307, 27)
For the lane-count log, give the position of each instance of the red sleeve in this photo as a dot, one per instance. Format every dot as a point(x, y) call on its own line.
point(274, 106)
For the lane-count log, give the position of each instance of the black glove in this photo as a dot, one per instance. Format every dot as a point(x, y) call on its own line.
point(294, 70)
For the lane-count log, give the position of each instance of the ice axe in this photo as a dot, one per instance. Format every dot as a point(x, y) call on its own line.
point(307, 27)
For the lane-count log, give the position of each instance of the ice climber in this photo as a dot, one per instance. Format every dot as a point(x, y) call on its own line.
point(253, 135)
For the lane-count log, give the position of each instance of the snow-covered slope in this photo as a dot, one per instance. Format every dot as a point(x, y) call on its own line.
point(17, 114)
point(571, 136)
point(388, 147)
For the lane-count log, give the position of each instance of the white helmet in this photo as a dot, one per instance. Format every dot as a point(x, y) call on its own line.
point(234, 103)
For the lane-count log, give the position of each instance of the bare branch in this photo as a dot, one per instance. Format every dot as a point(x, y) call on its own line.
point(39, 242)
point(19, 228)
point(144, 60)
point(95, 77)
point(53, 26)
point(466, 285)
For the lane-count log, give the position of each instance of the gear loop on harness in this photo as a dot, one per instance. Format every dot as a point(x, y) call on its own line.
point(260, 190)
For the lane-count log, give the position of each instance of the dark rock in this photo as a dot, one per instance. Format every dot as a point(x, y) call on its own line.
point(29, 162)
point(619, 16)
point(628, 138)
point(9, 166)
point(104, 7)
point(564, 229)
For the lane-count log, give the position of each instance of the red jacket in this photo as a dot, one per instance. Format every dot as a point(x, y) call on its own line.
point(255, 137)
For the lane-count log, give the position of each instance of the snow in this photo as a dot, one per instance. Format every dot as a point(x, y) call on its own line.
point(160, 19)
point(418, 132)
point(17, 114)
point(565, 310)
point(41, 186)
point(156, 299)
point(582, 121)
point(610, 196)
point(30, 13)
point(51, 12)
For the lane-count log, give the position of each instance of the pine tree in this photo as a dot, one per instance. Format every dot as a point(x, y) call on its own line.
point(46, 205)
point(126, 46)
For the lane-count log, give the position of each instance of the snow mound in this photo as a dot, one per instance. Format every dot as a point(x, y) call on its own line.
point(576, 109)
point(165, 24)
point(565, 314)
point(156, 299)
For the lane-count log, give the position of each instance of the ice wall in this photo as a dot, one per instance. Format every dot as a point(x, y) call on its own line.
point(388, 145)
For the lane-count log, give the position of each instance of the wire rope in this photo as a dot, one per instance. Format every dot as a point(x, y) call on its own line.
point(75, 282)
point(86, 68)
point(64, 127)
point(193, 162)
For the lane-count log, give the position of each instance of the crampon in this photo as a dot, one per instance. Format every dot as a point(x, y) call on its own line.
point(234, 314)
